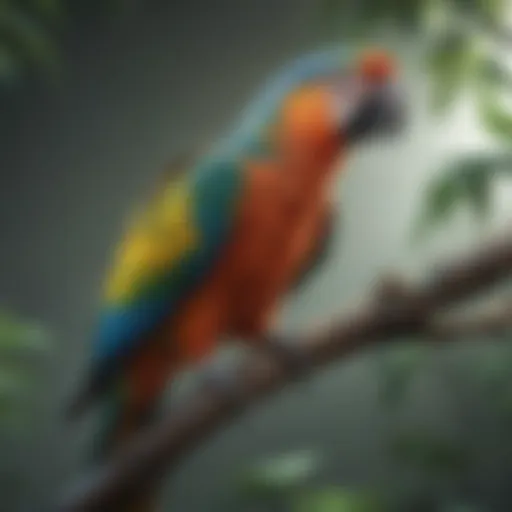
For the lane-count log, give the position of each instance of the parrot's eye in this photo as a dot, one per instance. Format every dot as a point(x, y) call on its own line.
point(371, 109)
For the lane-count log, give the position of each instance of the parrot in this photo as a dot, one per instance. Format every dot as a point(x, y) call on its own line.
point(229, 233)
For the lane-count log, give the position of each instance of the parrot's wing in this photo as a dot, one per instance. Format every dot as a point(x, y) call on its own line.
point(166, 252)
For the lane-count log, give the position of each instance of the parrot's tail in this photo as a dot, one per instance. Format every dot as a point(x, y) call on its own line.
point(131, 404)
point(80, 403)
point(121, 421)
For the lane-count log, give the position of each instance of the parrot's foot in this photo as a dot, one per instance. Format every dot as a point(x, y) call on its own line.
point(289, 356)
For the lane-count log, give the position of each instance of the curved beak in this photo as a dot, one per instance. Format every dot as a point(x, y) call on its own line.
point(380, 112)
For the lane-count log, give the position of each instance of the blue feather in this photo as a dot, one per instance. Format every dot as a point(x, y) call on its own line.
point(261, 111)
point(216, 190)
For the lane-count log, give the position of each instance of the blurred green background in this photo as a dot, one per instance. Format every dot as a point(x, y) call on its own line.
point(97, 96)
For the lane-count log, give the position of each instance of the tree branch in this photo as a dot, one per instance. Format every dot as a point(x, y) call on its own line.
point(495, 321)
point(407, 310)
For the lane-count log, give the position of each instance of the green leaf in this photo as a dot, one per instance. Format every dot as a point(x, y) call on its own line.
point(441, 198)
point(494, 10)
point(482, 10)
point(495, 119)
point(493, 80)
point(29, 40)
point(492, 75)
point(477, 182)
point(430, 454)
point(466, 182)
point(334, 499)
point(17, 335)
point(279, 474)
point(16, 381)
point(449, 61)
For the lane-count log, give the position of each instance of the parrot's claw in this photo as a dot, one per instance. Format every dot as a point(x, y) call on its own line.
point(291, 357)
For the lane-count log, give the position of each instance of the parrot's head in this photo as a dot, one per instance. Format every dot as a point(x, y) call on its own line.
point(369, 100)
point(345, 106)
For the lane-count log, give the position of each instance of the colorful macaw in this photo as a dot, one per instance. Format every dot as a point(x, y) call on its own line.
point(218, 247)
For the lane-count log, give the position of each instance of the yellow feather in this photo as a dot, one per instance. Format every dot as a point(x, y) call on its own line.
point(157, 239)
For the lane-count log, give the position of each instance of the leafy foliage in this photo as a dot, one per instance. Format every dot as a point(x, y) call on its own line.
point(480, 9)
point(456, 62)
point(18, 339)
point(468, 182)
point(450, 59)
point(361, 18)
point(364, 17)
point(30, 35)
point(492, 75)
point(26, 40)
point(337, 499)
point(431, 454)
point(18, 335)
point(494, 117)
point(288, 476)
point(280, 474)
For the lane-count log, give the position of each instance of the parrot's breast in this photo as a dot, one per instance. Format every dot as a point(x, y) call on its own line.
point(277, 231)
point(279, 239)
